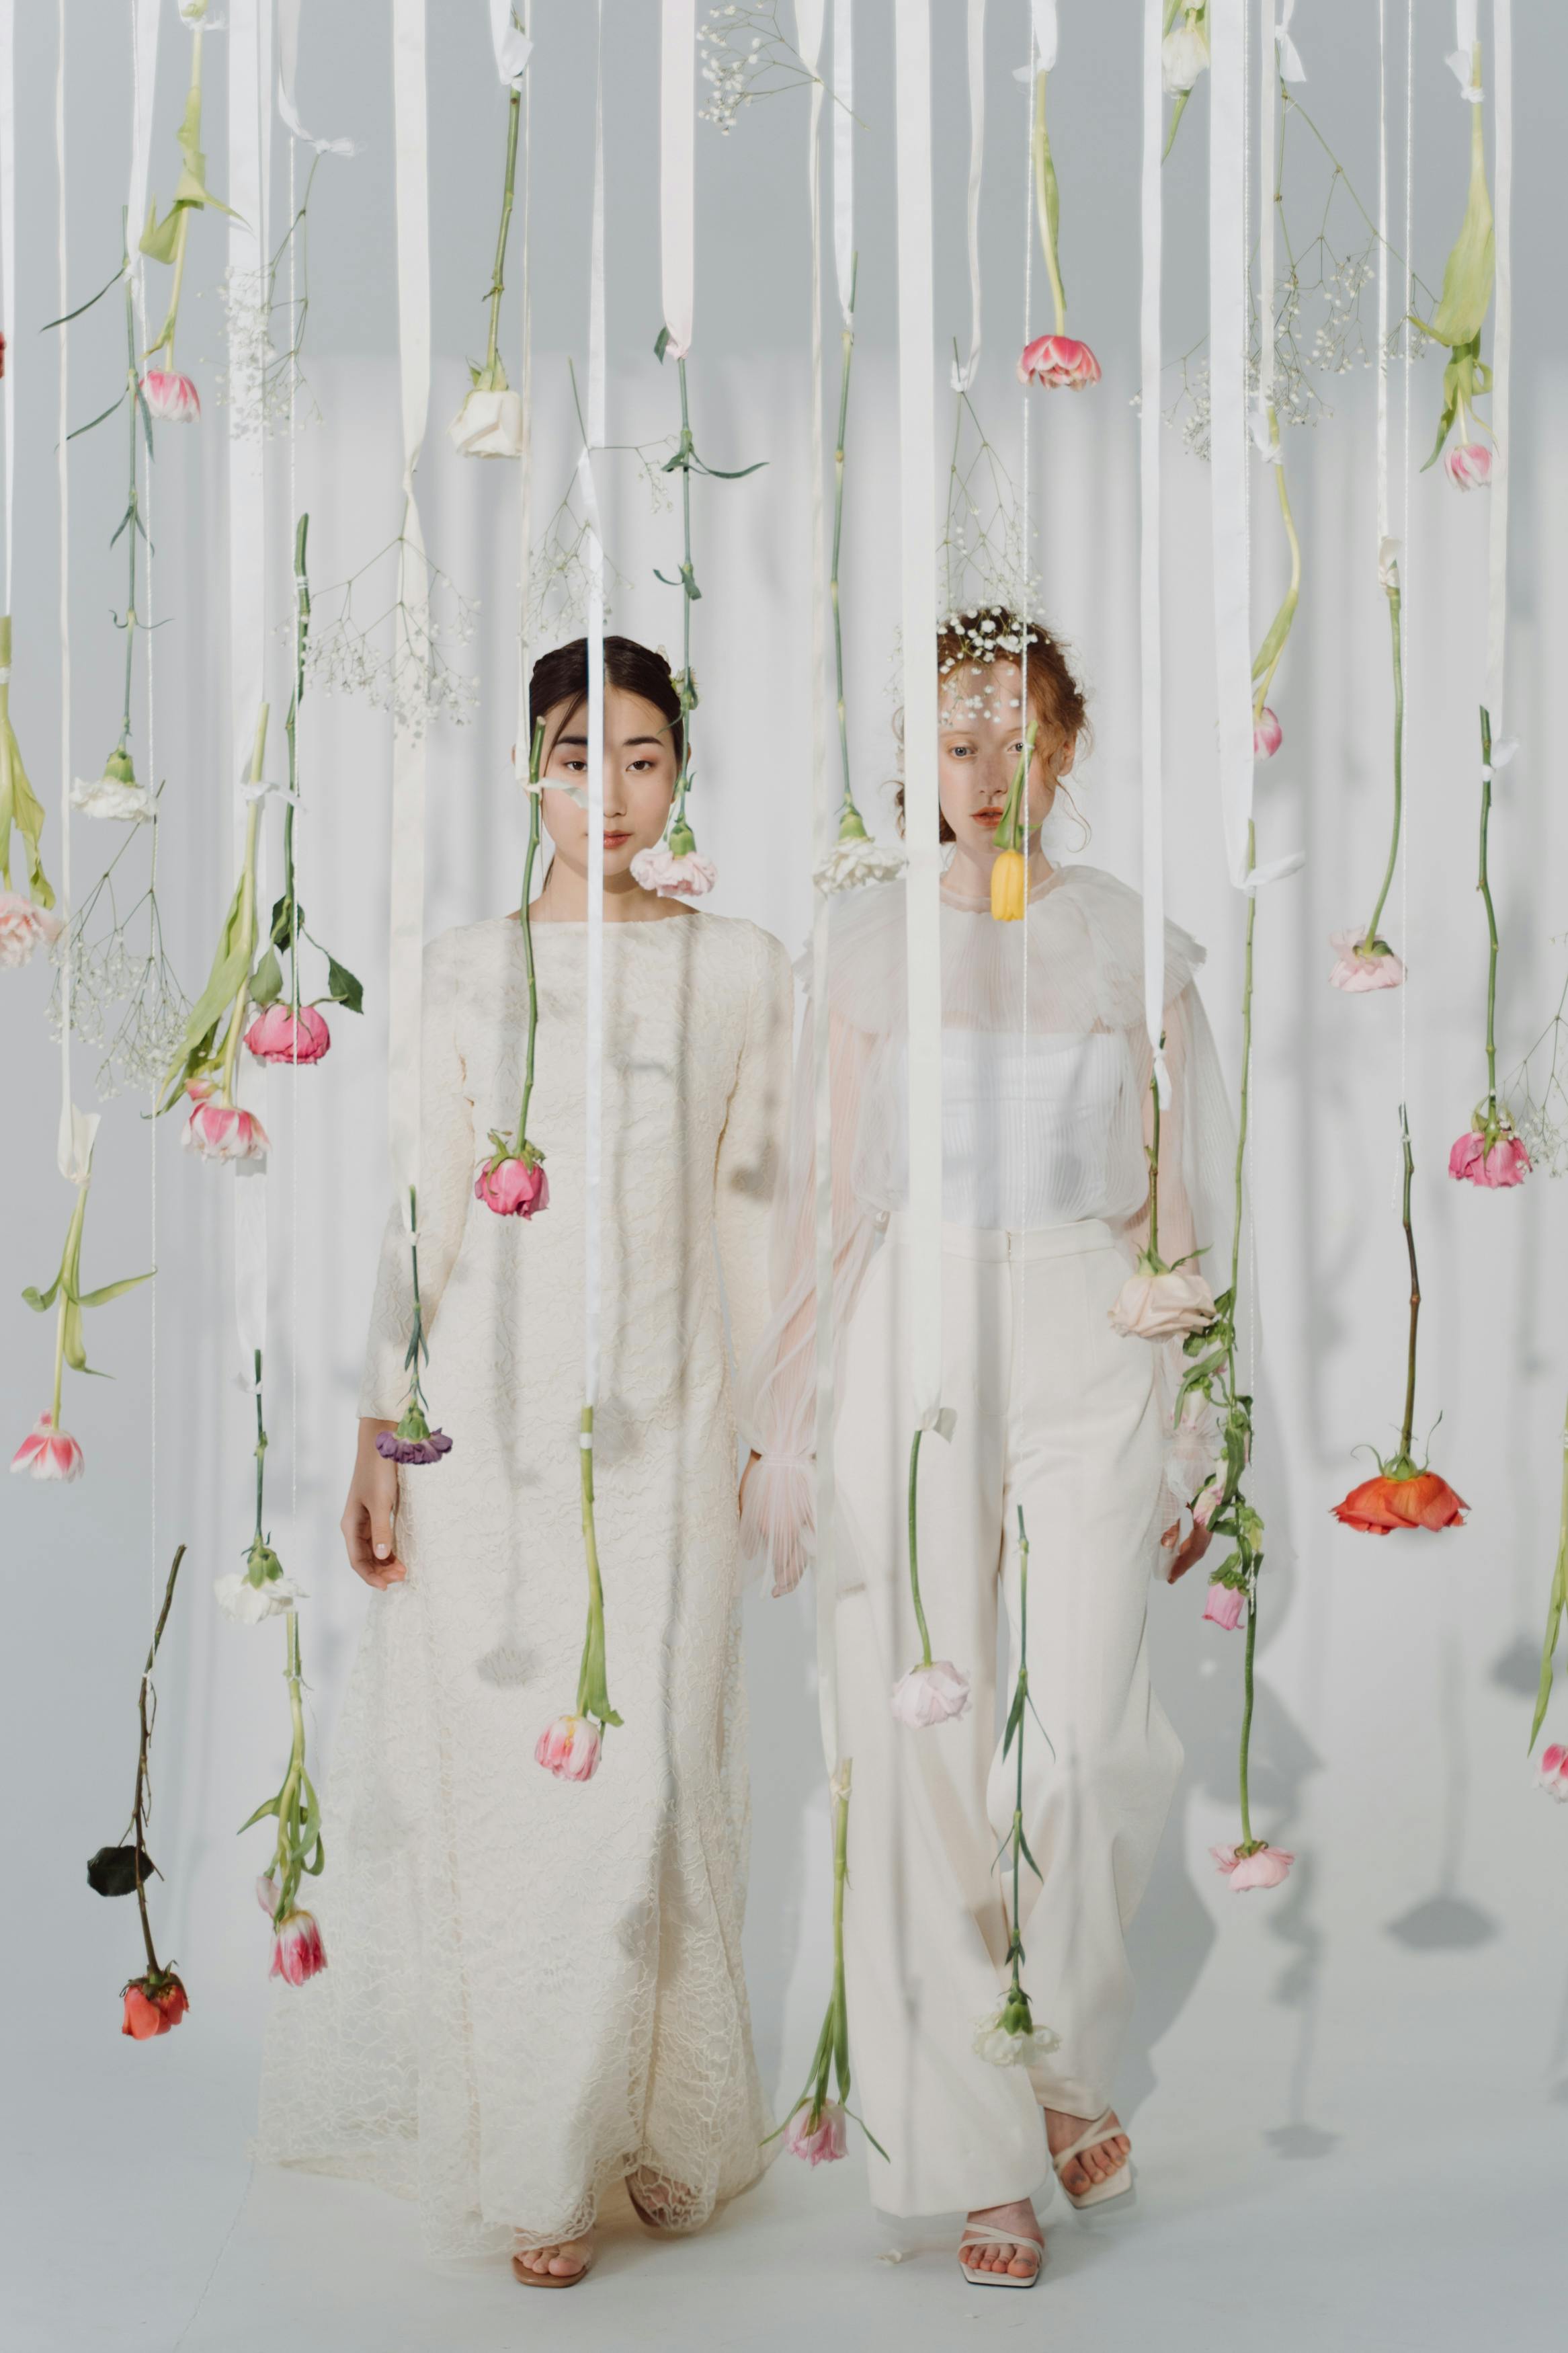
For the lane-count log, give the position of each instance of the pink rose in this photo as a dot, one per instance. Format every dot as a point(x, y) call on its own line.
point(1469, 465)
point(1361, 968)
point(219, 1131)
point(1475, 1161)
point(153, 2004)
point(1266, 1866)
point(298, 1952)
point(1552, 1772)
point(275, 1036)
point(1058, 360)
point(569, 1748)
point(1267, 735)
point(821, 2143)
point(48, 1452)
point(673, 875)
point(1225, 1605)
point(513, 1188)
point(174, 397)
point(931, 1695)
point(22, 926)
point(1163, 1305)
point(1205, 1502)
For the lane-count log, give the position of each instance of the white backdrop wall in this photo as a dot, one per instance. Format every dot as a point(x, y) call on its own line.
point(1415, 1959)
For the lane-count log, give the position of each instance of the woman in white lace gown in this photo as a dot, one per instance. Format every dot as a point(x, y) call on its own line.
point(1046, 1113)
point(534, 1986)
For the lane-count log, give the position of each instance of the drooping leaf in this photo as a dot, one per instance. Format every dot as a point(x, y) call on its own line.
point(112, 1870)
point(267, 980)
point(342, 987)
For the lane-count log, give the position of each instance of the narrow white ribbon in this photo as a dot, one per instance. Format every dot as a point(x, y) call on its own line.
point(593, 992)
point(67, 1148)
point(678, 168)
point(405, 949)
point(288, 60)
point(73, 1155)
point(1150, 422)
point(1228, 433)
point(523, 733)
point(8, 268)
point(916, 472)
point(844, 152)
point(145, 16)
point(1290, 65)
point(1502, 352)
point(1462, 57)
point(1385, 552)
point(964, 372)
point(1044, 13)
point(511, 44)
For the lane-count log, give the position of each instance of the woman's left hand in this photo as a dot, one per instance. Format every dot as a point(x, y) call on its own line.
point(1186, 1551)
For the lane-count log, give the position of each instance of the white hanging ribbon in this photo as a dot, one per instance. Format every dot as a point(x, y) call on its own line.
point(1150, 422)
point(678, 168)
point(8, 270)
point(964, 372)
point(523, 733)
point(288, 60)
point(844, 152)
point(1503, 348)
point(1385, 552)
point(144, 20)
point(1228, 432)
point(594, 993)
point(1044, 13)
point(917, 471)
point(67, 1152)
point(513, 47)
point(1290, 65)
point(1461, 57)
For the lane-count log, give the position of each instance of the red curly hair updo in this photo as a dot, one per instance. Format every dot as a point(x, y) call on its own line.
point(981, 635)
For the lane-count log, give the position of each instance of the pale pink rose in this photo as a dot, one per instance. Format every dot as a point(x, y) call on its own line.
point(47, 1452)
point(1357, 970)
point(1058, 360)
point(686, 876)
point(222, 1131)
point(821, 2143)
point(1552, 1773)
point(513, 1188)
point(298, 1952)
point(1267, 735)
point(1473, 1162)
point(1469, 465)
point(931, 1695)
point(172, 398)
point(1266, 1868)
point(23, 926)
point(1224, 1607)
point(1162, 1306)
point(276, 1036)
point(569, 1748)
point(1205, 1502)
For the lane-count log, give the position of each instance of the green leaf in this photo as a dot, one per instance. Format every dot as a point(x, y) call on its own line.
point(1468, 272)
point(267, 980)
point(342, 987)
point(76, 431)
point(722, 474)
point(109, 1291)
point(83, 307)
point(288, 917)
point(662, 346)
point(230, 965)
point(259, 1816)
point(40, 1300)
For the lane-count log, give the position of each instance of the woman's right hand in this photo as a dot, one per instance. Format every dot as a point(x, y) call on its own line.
point(370, 1511)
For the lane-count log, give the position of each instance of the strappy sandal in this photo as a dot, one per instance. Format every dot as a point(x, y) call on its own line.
point(984, 2234)
point(1115, 2185)
point(552, 2279)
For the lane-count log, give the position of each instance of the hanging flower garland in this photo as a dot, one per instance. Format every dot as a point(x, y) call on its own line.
point(48, 1451)
point(817, 2128)
point(155, 2002)
point(168, 394)
point(1490, 1153)
point(1055, 360)
point(1462, 308)
point(490, 423)
point(512, 1181)
point(1010, 2038)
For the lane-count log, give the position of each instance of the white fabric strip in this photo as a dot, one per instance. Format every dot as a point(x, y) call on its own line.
point(1228, 440)
point(511, 41)
point(1383, 530)
point(523, 733)
point(406, 946)
point(1502, 344)
point(964, 372)
point(1150, 424)
point(1463, 53)
point(1268, 67)
point(678, 168)
point(9, 267)
point(145, 14)
point(65, 1151)
point(288, 60)
point(1044, 13)
point(594, 1004)
point(844, 150)
point(917, 473)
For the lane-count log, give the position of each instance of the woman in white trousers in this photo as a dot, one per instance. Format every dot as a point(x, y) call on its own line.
point(1045, 1200)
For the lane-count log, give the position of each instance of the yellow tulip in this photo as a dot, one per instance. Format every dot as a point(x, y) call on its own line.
point(1007, 886)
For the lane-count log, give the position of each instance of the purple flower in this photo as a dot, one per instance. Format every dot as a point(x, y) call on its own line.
point(403, 1445)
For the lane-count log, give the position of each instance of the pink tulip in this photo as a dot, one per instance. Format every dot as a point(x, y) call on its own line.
point(219, 1131)
point(48, 1452)
point(931, 1695)
point(1267, 735)
point(298, 1952)
point(674, 875)
point(821, 2143)
point(1361, 968)
point(1058, 360)
point(1266, 1867)
point(1225, 1605)
point(1469, 465)
point(23, 925)
point(569, 1748)
point(513, 1188)
point(1475, 1161)
point(275, 1036)
point(1552, 1774)
point(172, 398)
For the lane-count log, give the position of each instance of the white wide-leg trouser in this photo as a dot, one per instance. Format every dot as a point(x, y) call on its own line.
point(1057, 1413)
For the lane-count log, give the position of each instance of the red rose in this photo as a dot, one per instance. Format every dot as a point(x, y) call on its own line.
point(153, 2005)
point(1420, 1500)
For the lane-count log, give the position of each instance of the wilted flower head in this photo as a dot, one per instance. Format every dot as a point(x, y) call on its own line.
point(1261, 1865)
point(47, 1452)
point(1011, 2039)
point(1184, 54)
point(1489, 1155)
point(277, 1035)
point(413, 1441)
point(514, 1186)
point(220, 1131)
point(821, 2142)
point(489, 425)
point(1402, 1499)
point(115, 793)
point(1362, 965)
point(22, 925)
point(1267, 735)
point(931, 1695)
point(1469, 465)
point(172, 398)
point(856, 859)
point(1552, 1772)
point(1226, 1606)
point(153, 2004)
point(1163, 1304)
point(298, 1952)
point(1058, 360)
point(674, 875)
point(569, 1747)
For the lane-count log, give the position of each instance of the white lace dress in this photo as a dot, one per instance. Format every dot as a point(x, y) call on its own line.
point(535, 1986)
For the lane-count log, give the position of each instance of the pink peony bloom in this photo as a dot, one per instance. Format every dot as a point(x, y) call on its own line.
point(1267, 735)
point(674, 876)
point(1058, 360)
point(1264, 1867)
point(931, 1695)
point(48, 1452)
point(821, 2143)
point(23, 925)
point(218, 1131)
point(1226, 1606)
point(276, 1036)
point(513, 1188)
point(569, 1748)
point(1163, 1305)
point(1361, 968)
point(298, 1952)
point(172, 398)
point(1552, 1773)
point(1469, 465)
point(1474, 1162)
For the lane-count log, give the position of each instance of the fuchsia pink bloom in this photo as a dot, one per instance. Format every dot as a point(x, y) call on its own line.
point(298, 1952)
point(220, 1131)
point(1266, 1866)
point(821, 2143)
point(569, 1748)
point(1502, 1162)
point(1469, 465)
point(47, 1452)
point(674, 875)
point(276, 1035)
point(1360, 967)
point(1552, 1772)
point(1267, 735)
point(172, 398)
point(1058, 362)
point(23, 925)
point(929, 1696)
point(514, 1188)
point(1226, 1606)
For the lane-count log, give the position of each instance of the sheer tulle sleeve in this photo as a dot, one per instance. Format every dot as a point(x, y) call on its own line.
point(751, 1157)
point(447, 1157)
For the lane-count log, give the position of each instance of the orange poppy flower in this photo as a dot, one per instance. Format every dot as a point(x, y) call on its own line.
point(1420, 1500)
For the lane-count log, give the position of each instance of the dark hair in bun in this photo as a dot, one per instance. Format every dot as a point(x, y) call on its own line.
point(560, 683)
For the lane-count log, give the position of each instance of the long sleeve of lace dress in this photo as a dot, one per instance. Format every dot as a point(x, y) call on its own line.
point(447, 1157)
point(751, 1157)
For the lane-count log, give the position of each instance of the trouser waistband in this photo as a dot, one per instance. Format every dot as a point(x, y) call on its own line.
point(999, 1245)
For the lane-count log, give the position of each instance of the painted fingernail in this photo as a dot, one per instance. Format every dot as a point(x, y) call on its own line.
point(381, 1551)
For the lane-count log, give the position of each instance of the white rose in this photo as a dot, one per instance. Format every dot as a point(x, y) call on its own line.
point(1162, 1306)
point(249, 1604)
point(1183, 55)
point(488, 425)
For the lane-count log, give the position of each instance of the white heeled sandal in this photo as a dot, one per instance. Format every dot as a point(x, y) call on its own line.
point(1115, 2185)
point(984, 2234)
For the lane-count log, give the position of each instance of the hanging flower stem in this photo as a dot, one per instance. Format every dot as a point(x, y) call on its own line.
point(925, 1659)
point(830, 2060)
point(494, 376)
point(1021, 1704)
point(1152, 1156)
point(246, 930)
point(1048, 202)
point(593, 1690)
point(132, 522)
point(850, 825)
point(535, 758)
point(1557, 1602)
point(291, 728)
point(1407, 1427)
point(1273, 646)
point(146, 1706)
point(1484, 886)
point(190, 139)
point(1396, 632)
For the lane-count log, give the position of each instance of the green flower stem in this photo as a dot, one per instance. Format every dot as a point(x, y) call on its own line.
point(69, 1282)
point(535, 760)
point(593, 1690)
point(289, 1825)
point(1153, 1157)
point(1012, 833)
point(1409, 1422)
point(848, 345)
point(417, 1348)
point(1557, 1600)
point(139, 1804)
point(165, 341)
point(498, 283)
point(132, 524)
point(260, 1451)
point(1248, 1840)
point(1396, 631)
point(1023, 1695)
point(914, 1550)
point(247, 914)
point(1484, 886)
point(1048, 202)
point(1244, 1109)
point(291, 730)
point(690, 593)
point(1280, 628)
point(838, 2007)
